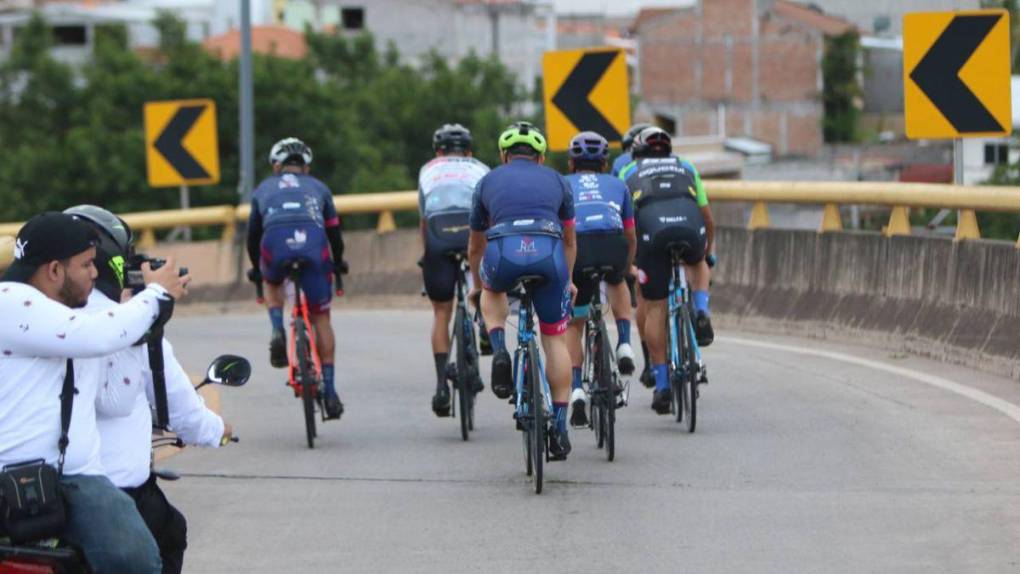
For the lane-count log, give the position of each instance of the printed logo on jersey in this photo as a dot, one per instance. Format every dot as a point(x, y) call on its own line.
point(289, 180)
point(672, 219)
point(527, 246)
point(299, 239)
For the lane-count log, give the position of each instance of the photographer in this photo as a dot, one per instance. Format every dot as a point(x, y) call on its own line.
point(45, 337)
point(126, 440)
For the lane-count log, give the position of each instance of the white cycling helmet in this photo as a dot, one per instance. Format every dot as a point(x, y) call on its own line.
point(290, 148)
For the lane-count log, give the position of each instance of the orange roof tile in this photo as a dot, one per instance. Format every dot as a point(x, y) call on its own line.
point(277, 40)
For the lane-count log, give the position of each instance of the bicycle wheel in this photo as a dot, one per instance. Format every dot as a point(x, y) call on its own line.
point(690, 390)
point(607, 396)
point(463, 384)
point(591, 372)
point(536, 406)
point(308, 386)
point(529, 467)
point(675, 371)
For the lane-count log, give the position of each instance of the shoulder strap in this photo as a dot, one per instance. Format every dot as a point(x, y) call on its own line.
point(66, 403)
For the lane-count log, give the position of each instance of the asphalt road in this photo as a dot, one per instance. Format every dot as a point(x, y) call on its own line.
point(801, 463)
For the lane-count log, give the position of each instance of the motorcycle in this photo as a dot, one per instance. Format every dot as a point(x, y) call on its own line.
point(52, 556)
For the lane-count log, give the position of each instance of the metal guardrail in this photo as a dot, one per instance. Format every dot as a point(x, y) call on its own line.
point(901, 197)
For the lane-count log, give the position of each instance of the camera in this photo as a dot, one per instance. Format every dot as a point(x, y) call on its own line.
point(133, 278)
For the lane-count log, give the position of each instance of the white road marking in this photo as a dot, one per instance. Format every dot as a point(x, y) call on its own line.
point(1005, 407)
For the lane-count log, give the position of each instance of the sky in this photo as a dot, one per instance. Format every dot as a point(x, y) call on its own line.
point(613, 7)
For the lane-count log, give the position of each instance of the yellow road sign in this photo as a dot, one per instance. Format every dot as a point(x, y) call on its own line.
point(181, 147)
point(585, 90)
point(956, 74)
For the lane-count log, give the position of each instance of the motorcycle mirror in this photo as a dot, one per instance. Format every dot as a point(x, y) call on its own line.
point(229, 370)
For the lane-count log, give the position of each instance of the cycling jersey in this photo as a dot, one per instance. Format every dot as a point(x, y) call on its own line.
point(521, 190)
point(621, 162)
point(602, 203)
point(448, 183)
point(290, 198)
point(525, 206)
point(446, 186)
point(654, 177)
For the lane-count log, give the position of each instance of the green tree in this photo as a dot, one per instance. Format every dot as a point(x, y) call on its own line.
point(841, 90)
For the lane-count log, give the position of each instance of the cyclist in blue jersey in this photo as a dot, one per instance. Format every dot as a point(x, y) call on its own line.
point(293, 218)
point(605, 237)
point(672, 209)
point(522, 223)
point(445, 188)
point(625, 158)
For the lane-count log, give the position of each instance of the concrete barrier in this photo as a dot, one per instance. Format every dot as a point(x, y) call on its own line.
point(953, 301)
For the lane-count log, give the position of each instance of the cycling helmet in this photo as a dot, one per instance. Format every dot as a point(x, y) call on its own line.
point(290, 150)
point(522, 134)
point(652, 142)
point(112, 251)
point(588, 148)
point(628, 138)
point(452, 138)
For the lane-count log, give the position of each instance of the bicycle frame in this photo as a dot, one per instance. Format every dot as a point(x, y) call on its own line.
point(299, 312)
point(525, 335)
point(679, 294)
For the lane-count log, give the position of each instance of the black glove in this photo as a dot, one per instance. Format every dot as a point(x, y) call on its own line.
point(341, 267)
point(255, 276)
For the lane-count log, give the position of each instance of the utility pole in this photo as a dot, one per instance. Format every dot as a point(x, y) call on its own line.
point(247, 108)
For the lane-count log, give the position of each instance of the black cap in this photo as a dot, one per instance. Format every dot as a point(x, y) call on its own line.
point(49, 236)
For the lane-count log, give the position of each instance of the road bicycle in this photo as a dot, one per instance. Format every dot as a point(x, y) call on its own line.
point(599, 373)
point(304, 369)
point(463, 372)
point(686, 370)
point(533, 400)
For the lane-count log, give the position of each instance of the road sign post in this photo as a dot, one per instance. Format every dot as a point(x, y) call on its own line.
point(956, 83)
point(585, 90)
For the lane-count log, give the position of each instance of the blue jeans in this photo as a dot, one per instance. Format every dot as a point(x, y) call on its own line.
point(103, 521)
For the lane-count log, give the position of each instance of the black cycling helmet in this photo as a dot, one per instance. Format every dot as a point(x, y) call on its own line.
point(113, 250)
point(628, 138)
point(652, 142)
point(290, 151)
point(452, 138)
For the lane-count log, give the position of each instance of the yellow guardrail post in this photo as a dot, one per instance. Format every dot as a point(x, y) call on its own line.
point(147, 239)
point(831, 219)
point(759, 216)
point(7, 251)
point(967, 225)
point(899, 222)
point(386, 223)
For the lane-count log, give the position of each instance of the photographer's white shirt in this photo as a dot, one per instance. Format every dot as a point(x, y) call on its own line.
point(126, 440)
point(37, 336)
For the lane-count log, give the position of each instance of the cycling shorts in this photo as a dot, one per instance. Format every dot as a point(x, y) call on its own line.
point(445, 234)
point(512, 256)
point(598, 250)
point(283, 244)
point(660, 224)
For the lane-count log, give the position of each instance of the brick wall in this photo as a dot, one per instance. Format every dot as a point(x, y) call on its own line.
point(764, 69)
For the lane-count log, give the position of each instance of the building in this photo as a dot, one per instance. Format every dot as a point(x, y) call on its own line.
point(745, 68)
point(981, 156)
point(885, 17)
point(515, 31)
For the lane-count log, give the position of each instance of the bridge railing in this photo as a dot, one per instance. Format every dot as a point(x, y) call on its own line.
point(901, 197)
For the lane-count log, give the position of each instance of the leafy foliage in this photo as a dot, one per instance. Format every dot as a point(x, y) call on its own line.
point(841, 92)
point(76, 135)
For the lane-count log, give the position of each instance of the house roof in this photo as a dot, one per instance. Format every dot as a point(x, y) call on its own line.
point(646, 15)
point(277, 40)
point(811, 17)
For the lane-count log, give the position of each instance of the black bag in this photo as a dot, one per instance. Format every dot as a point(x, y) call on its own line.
point(31, 499)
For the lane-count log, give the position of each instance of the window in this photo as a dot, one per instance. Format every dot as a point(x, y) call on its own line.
point(69, 35)
point(352, 18)
point(996, 154)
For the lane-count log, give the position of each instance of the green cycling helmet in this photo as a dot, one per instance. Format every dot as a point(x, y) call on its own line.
point(522, 133)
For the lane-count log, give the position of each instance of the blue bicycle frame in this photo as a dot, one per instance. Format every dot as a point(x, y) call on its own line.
point(526, 335)
point(679, 294)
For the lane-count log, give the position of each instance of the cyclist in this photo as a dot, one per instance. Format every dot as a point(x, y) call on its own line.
point(445, 186)
point(293, 218)
point(522, 223)
point(672, 207)
point(605, 237)
point(625, 158)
